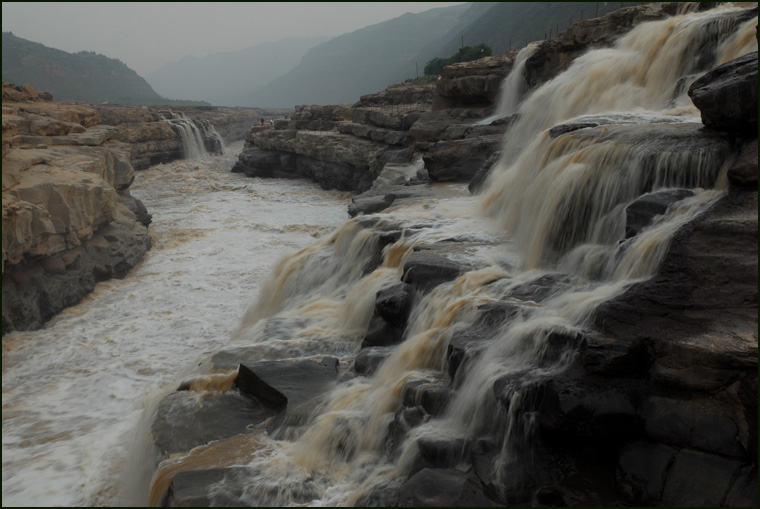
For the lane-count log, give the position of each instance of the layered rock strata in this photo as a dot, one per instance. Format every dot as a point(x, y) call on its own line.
point(68, 218)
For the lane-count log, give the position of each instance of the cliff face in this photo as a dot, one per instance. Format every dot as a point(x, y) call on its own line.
point(68, 218)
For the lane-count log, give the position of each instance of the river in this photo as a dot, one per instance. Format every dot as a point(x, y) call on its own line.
point(74, 392)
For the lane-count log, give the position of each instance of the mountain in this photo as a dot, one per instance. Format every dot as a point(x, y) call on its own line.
point(226, 79)
point(368, 60)
point(75, 77)
point(508, 25)
point(361, 62)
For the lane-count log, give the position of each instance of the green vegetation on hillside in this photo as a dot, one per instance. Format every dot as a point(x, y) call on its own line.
point(86, 76)
point(465, 54)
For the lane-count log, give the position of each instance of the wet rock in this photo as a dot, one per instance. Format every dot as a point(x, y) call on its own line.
point(302, 383)
point(480, 177)
point(642, 471)
point(704, 422)
point(250, 383)
point(641, 212)
point(542, 288)
point(369, 359)
point(744, 491)
point(465, 344)
point(382, 333)
point(460, 160)
point(727, 96)
point(743, 172)
point(384, 494)
point(187, 419)
point(699, 479)
point(394, 304)
point(195, 488)
point(442, 488)
point(424, 271)
point(442, 452)
point(370, 204)
point(434, 400)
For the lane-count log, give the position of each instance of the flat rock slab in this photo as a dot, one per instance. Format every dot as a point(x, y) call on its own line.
point(188, 419)
point(294, 388)
point(194, 488)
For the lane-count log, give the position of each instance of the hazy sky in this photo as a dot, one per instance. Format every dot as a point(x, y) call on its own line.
point(147, 35)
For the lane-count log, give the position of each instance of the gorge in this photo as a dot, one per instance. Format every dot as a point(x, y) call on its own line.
point(580, 330)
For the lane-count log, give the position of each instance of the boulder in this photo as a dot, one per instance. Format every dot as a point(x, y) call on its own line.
point(432, 487)
point(641, 212)
point(424, 270)
point(460, 160)
point(727, 96)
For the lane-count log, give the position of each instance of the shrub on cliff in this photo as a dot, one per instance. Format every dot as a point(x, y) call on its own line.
point(465, 54)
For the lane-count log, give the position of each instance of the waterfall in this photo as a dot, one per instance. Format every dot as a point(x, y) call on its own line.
point(514, 87)
point(197, 142)
point(613, 126)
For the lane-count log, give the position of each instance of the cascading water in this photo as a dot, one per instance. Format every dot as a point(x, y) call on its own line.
point(612, 127)
point(196, 142)
point(514, 87)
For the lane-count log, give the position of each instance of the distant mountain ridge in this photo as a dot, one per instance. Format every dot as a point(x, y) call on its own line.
point(227, 78)
point(370, 59)
point(86, 76)
point(361, 62)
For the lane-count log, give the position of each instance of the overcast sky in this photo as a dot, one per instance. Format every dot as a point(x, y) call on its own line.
point(147, 35)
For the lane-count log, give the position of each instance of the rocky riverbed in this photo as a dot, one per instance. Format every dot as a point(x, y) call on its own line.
point(604, 352)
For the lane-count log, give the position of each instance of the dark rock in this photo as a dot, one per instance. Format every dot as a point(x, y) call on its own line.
point(542, 288)
point(304, 383)
point(460, 160)
point(642, 470)
point(743, 172)
point(195, 488)
point(382, 333)
point(699, 479)
point(744, 491)
point(434, 400)
point(466, 343)
point(369, 359)
point(424, 271)
point(187, 419)
point(443, 452)
point(370, 204)
point(699, 312)
point(394, 304)
point(442, 488)
point(561, 129)
point(249, 383)
point(727, 96)
point(641, 212)
point(479, 179)
point(384, 494)
point(703, 422)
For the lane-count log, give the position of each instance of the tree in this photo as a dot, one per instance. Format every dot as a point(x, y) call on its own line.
point(465, 54)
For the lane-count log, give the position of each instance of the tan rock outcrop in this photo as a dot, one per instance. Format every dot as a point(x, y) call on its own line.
point(67, 215)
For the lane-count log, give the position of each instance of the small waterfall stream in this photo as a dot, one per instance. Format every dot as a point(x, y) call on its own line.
point(197, 142)
point(612, 127)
